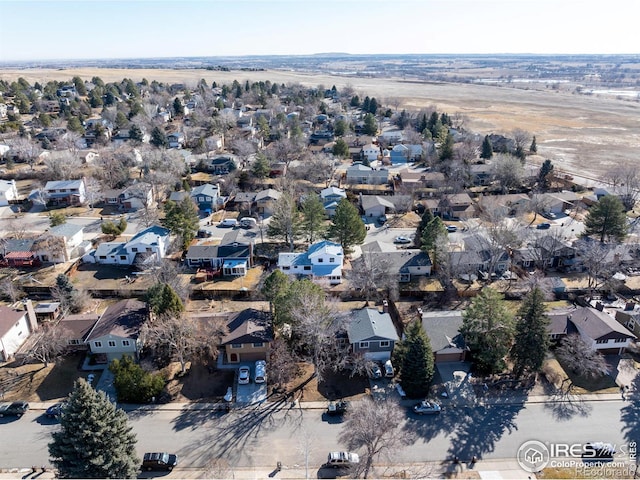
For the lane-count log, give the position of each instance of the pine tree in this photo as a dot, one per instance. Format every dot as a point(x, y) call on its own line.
point(487, 148)
point(607, 219)
point(347, 227)
point(158, 138)
point(95, 439)
point(534, 147)
point(487, 328)
point(163, 299)
point(531, 338)
point(313, 218)
point(414, 357)
point(182, 219)
point(543, 174)
point(446, 149)
point(430, 234)
point(370, 125)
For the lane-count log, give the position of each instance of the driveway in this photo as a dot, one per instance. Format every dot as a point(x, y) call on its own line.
point(456, 377)
point(251, 393)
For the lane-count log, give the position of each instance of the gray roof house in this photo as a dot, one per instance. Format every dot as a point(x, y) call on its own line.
point(372, 334)
point(443, 329)
point(207, 197)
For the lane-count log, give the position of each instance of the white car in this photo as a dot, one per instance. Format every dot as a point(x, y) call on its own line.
point(401, 240)
point(425, 407)
point(243, 375)
point(388, 369)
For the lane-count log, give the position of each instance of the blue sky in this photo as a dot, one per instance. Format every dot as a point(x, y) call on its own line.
point(88, 29)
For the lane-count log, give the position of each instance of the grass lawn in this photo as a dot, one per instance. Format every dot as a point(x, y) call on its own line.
point(556, 373)
point(35, 383)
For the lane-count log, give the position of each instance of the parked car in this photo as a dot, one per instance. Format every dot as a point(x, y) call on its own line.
point(337, 408)
point(401, 240)
point(543, 226)
point(243, 375)
point(549, 215)
point(452, 228)
point(388, 369)
point(425, 407)
point(16, 409)
point(375, 372)
point(248, 222)
point(342, 459)
point(159, 461)
point(261, 372)
point(54, 410)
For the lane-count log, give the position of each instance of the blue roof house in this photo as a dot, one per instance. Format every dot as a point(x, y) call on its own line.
point(322, 262)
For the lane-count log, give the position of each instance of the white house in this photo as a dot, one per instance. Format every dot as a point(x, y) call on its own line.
point(322, 262)
point(150, 244)
point(136, 197)
point(66, 192)
point(15, 328)
point(331, 197)
point(69, 238)
point(8, 192)
point(371, 152)
point(359, 174)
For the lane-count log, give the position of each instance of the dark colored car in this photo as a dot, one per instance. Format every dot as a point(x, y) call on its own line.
point(543, 226)
point(337, 408)
point(16, 408)
point(54, 411)
point(159, 461)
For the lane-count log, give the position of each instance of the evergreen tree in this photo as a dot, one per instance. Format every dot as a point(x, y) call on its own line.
point(487, 328)
point(373, 106)
point(57, 219)
point(370, 125)
point(313, 218)
point(355, 101)
point(446, 148)
point(286, 220)
point(365, 104)
point(132, 383)
point(414, 358)
point(347, 227)
point(158, 138)
point(161, 298)
point(275, 286)
point(135, 133)
point(423, 125)
point(534, 147)
point(430, 234)
point(94, 439)
point(607, 219)
point(543, 175)
point(531, 337)
point(340, 128)
point(178, 108)
point(341, 149)
point(487, 148)
point(261, 167)
point(182, 219)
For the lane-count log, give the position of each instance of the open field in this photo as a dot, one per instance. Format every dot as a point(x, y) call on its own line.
point(581, 134)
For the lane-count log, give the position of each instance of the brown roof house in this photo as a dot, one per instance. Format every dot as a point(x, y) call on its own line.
point(117, 332)
point(78, 327)
point(250, 333)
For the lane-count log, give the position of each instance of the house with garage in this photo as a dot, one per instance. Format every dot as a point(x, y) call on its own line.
point(15, 328)
point(76, 328)
point(250, 335)
point(457, 206)
point(8, 192)
point(370, 152)
point(404, 265)
point(66, 192)
point(266, 200)
point(359, 174)
point(148, 246)
point(599, 329)
point(207, 197)
point(117, 332)
point(372, 333)
point(443, 330)
point(136, 197)
point(322, 262)
point(376, 206)
point(61, 243)
point(232, 259)
point(176, 140)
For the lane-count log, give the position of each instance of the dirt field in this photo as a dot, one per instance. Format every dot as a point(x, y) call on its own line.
point(579, 133)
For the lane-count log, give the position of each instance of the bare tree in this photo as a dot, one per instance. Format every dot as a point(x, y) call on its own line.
point(598, 261)
point(72, 142)
point(508, 170)
point(282, 363)
point(26, 149)
point(376, 427)
point(49, 342)
point(521, 138)
point(370, 275)
point(581, 358)
point(94, 191)
point(11, 290)
point(625, 180)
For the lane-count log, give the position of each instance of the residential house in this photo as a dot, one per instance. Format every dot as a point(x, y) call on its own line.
point(149, 245)
point(494, 258)
point(8, 192)
point(400, 154)
point(322, 262)
point(243, 201)
point(556, 202)
point(372, 333)
point(15, 328)
point(18, 253)
point(555, 253)
point(501, 206)
point(249, 337)
point(66, 192)
point(176, 140)
point(359, 174)
point(136, 197)
point(599, 329)
point(481, 174)
point(77, 328)
point(231, 259)
point(117, 332)
point(629, 317)
point(60, 243)
point(403, 265)
point(330, 198)
point(375, 206)
point(220, 165)
point(443, 329)
point(266, 200)
point(207, 197)
point(458, 206)
point(370, 152)
point(391, 137)
point(178, 197)
point(420, 179)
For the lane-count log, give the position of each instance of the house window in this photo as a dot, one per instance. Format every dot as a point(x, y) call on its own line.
point(320, 260)
point(307, 267)
point(17, 324)
point(134, 249)
point(123, 257)
point(602, 341)
point(384, 343)
point(257, 344)
point(112, 343)
point(286, 268)
point(74, 342)
point(148, 249)
point(97, 344)
point(236, 345)
point(363, 345)
point(126, 343)
point(621, 340)
point(103, 257)
point(332, 260)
